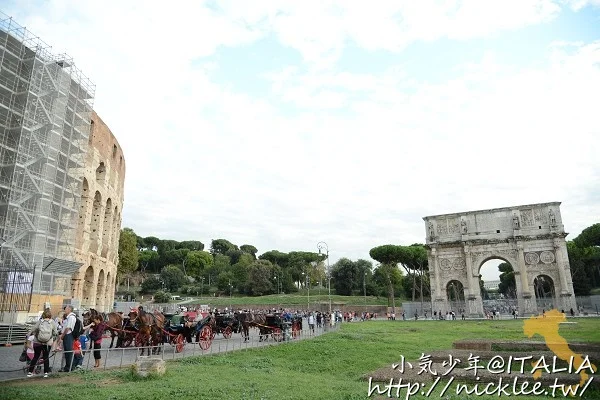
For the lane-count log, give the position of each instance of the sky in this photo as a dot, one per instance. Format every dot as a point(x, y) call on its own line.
point(285, 123)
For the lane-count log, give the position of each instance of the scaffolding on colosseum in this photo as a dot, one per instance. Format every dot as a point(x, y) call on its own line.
point(45, 113)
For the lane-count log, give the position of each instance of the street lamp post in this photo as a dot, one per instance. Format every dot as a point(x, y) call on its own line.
point(202, 288)
point(308, 290)
point(323, 246)
point(365, 289)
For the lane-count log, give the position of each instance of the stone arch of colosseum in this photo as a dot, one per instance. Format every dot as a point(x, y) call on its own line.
point(106, 229)
point(99, 222)
point(531, 238)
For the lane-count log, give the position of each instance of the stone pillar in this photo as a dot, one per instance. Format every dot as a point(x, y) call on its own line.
point(560, 262)
point(525, 302)
point(469, 267)
point(473, 300)
point(436, 269)
point(439, 300)
point(566, 296)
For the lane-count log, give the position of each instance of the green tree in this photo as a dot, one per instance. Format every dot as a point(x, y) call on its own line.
point(192, 245)
point(173, 278)
point(151, 284)
point(128, 252)
point(152, 242)
point(344, 274)
point(588, 237)
point(221, 246)
point(249, 249)
point(234, 255)
point(389, 256)
point(507, 286)
point(413, 259)
point(276, 257)
point(148, 260)
point(260, 278)
point(141, 244)
point(197, 262)
point(162, 297)
point(225, 282)
point(240, 271)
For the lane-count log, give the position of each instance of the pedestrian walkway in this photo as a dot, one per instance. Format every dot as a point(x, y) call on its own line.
point(11, 368)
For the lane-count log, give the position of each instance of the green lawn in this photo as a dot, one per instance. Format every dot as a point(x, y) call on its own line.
point(331, 366)
point(297, 299)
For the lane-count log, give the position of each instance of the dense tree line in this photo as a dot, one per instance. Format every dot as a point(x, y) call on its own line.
point(584, 258)
point(227, 268)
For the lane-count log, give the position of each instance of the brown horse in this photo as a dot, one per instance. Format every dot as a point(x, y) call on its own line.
point(150, 328)
point(113, 321)
point(252, 320)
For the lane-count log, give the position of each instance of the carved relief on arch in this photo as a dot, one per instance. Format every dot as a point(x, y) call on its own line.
point(510, 255)
point(536, 257)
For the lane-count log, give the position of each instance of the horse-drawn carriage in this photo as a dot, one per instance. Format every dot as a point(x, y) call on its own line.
point(275, 326)
point(177, 331)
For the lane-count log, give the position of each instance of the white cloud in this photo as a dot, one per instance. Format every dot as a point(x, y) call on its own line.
point(352, 159)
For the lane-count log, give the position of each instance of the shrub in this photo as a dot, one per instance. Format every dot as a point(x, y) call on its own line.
point(161, 297)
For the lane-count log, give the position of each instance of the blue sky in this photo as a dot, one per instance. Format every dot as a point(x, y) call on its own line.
point(283, 123)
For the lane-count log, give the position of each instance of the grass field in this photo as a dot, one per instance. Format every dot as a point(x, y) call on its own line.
point(332, 366)
point(299, 299)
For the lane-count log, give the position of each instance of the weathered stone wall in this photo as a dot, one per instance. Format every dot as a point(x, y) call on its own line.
point(99, 222)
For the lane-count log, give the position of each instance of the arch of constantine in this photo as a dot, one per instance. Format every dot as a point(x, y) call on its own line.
point(531, 238)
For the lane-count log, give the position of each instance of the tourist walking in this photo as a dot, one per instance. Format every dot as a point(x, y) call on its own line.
point(44, 332)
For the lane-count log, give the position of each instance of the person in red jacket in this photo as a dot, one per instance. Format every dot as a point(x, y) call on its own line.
point(97, 331)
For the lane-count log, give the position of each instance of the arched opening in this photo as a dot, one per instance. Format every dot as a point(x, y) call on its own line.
point(88, 286)
point(489, 278)
point(116, 232)
point(543, 287)
point(95, 225)
point(106, 228)
point(101, 292)
point(100, 172)
point(455, 293)
point(498, 286)
point(83, 207)
point(108, 298)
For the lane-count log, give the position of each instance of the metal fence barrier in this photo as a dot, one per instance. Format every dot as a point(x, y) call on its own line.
point(11, 368)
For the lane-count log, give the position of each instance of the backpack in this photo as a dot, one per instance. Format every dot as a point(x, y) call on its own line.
point(77, 329)
point(45, 330)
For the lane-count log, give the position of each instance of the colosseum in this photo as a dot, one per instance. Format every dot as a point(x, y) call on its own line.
point(99, 222)
point(61, 183)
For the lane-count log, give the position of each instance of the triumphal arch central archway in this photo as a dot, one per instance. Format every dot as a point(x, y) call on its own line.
point(531, 238)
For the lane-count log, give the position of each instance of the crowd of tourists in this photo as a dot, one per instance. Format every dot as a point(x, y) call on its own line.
point(65, 332)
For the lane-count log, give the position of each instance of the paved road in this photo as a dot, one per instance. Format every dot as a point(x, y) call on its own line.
point(11, 368)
